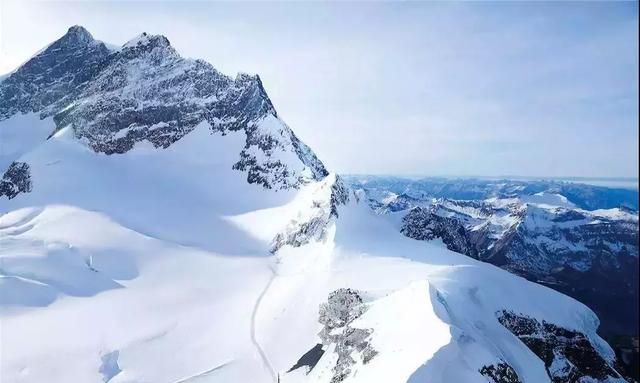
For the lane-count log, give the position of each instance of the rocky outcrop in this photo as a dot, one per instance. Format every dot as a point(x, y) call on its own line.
point(342, 308)
point(568, 355)
point(16, 180)
point(500, 373)
point(313, 219)
point(423, 224)
point(338, 335)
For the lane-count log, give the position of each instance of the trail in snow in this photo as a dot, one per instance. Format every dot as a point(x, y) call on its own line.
point(254, 340)
point(202, 374)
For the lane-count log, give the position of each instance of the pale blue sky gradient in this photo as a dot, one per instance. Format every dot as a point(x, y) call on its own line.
point(529, 89)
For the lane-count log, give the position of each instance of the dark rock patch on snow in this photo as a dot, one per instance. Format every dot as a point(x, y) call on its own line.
point(568, 355)
point(16, 180)
point(500, 373)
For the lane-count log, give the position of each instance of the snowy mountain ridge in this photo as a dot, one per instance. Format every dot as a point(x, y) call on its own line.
point(146, 92)
point(160, 223)
point(589, 255)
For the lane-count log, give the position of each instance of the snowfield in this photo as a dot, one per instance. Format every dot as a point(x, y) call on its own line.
point(179, 263)
point(116, 278)
point(87, 299)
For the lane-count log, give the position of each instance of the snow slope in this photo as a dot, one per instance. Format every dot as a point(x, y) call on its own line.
point(117, 301)
point(168, 264)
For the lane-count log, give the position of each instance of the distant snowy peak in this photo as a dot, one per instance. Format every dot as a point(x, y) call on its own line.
point(147, 40)
point(145, 91)
point(549, 199)
point(584, 196)
point(77, 35)
point(532, 237)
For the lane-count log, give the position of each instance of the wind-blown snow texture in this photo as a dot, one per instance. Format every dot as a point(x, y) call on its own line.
point(173, 229)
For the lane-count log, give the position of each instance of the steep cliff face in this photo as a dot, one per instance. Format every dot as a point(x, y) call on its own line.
point(144, 91)
point(16, 180)
point(568, 356)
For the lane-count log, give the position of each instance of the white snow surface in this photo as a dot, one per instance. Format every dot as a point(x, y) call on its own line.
point(20, 134)
point(548, 199)
point(154, 266)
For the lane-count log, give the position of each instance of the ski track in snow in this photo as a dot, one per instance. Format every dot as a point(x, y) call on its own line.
point(203, 374)
point(254, 340)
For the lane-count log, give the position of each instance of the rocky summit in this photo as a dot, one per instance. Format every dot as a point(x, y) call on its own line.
point(114, 98)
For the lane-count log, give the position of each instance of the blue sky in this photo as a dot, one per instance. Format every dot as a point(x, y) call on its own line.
point(414, 88)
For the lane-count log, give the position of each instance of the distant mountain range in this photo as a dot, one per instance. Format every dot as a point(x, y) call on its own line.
point(583, 195)
point(582, 247)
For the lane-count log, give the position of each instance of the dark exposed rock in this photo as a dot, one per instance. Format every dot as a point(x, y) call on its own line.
point(339, 195)
point(500, 373)
point(55, 76)
point(568, 355)
point(423, 224)
point(16, 180)
point(628, 355)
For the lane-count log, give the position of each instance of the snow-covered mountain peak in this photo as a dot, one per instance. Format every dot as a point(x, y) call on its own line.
point(77, 35)
point(146, 92)
point(145, 39)
point(146, 43)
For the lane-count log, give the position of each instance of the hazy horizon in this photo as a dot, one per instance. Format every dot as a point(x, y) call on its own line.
point(404, 88)
point(609, 182)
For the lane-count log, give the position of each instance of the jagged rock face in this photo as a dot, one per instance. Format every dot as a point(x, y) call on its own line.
point(145, 91)
point(528, 238)
point(500, 373)
point(54, 77)
point(349, 343)
point(312, 221)
point(342, 308)
point(16, 180)
point(424, 224)
point(568, 355)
